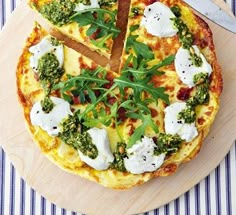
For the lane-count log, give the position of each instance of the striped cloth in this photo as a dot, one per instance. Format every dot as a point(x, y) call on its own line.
point(215, 195)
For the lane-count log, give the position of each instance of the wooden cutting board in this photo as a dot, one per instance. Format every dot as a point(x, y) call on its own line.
point(70, 191)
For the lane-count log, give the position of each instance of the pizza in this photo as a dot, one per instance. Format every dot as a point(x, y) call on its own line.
point(77, 20)
point(123, 128)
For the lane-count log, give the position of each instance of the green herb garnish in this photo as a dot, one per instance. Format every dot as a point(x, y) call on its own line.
point(135, 11)
point(47, 104)
point(188, 114)
point(48, 69)
point(139, 48)
point(98, 21)
point(84, 85)
point(167, 143)
point(176, 10)
point(58, 11)
point(119, 155)
point(71, 135)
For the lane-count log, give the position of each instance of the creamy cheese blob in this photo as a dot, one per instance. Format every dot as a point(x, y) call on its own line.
point(101, 141)
point(141, 157)
point(81, 7)
point(157, 20)
point(49, 122)
point(173, 125)
point(43, 47)
point(185, 67)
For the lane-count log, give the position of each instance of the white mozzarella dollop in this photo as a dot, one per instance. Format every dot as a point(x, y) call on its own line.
point(43, 47)
point(185, 67)
point(81, 7)
point(187, 131)
point(141, 158)
point(157, 20)
point(49, 122)
point(101, 141)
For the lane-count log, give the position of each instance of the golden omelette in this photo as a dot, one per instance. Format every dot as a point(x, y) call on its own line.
point(120, 129)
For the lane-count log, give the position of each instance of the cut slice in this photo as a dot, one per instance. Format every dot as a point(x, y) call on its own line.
point(92, 23)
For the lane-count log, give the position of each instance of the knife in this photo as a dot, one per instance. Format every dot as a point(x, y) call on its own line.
point(213, 12)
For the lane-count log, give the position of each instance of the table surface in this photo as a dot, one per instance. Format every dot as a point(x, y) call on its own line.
point(216, 194)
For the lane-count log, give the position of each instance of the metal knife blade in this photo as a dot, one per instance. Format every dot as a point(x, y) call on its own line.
point(213, 12)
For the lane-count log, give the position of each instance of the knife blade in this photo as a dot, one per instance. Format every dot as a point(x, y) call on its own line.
point(213, 12)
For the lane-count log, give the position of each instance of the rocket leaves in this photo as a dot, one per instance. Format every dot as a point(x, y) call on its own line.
point(101, 23)
point(133, 92)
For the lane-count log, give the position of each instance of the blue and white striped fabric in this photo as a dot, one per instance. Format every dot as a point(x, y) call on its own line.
point(215, 195)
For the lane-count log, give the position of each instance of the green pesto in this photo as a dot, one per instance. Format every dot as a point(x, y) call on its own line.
point(202, 94)
point(176, 10)
point(58, 12)
point(202, 90)
point(48, 70)
point(188, 114)
point(197, 60)
point(185, 36)
point(106, 3)
point(55, 42)
point(200, 78)
point(119, 155)
point(47, 104)
point(86, 146)
point(167, 143)
point(71, 135)
point(135, 11)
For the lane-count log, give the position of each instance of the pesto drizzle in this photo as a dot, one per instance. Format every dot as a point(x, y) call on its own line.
point(49, 74)
point(119, 155)
point(167, 143)
point(200, 97)
point(71, 134)
point(58, 12)
point(185, 36)
point(48, 70)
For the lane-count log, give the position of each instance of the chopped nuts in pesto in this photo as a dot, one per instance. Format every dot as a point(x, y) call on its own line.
point(200, 78)
point(202, 90)
point(48, 69)
point(58, 12)
point(85, 145)
point(47, 104)
point(167, 143)
point(185, 36)
point(71, 135)
point(119, 154)
point(188, 114)
point(197, 60)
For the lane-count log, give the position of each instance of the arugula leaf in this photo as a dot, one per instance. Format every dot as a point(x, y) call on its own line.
point(142, 86)
point(83, 85)
point(102, 117)
point(101, 43)
point(140, 49)
point(99, 20)
point(147, 121)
